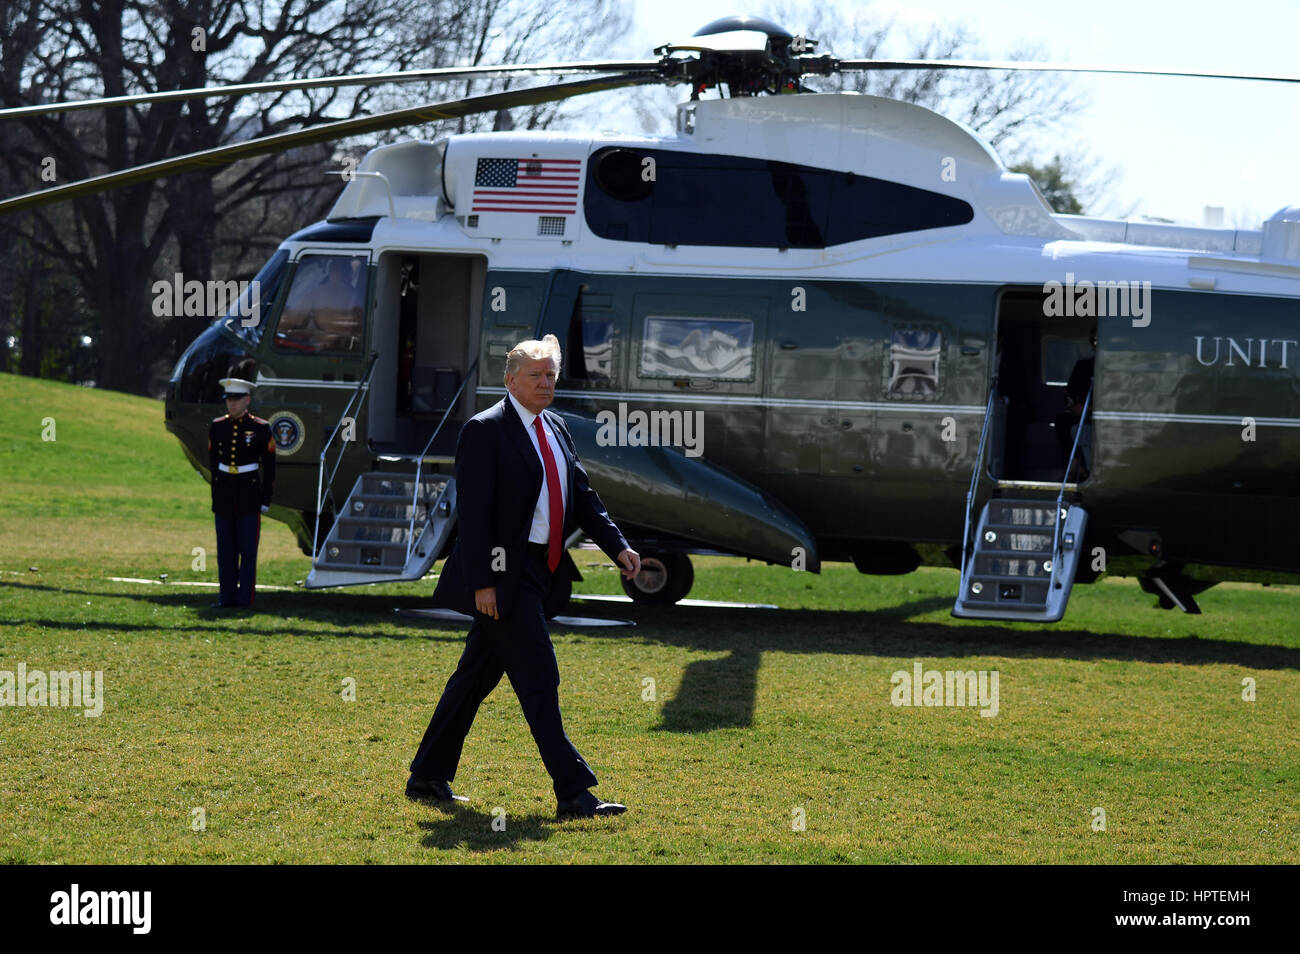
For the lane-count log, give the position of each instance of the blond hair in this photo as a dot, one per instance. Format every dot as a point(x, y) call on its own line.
point(533, 350)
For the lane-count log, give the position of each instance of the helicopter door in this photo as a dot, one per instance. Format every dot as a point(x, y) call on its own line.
point(426, 330)
point(315, 356)
point(1044, 372)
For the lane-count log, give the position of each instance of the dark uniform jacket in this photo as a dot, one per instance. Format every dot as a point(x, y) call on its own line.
point(243, 443)
point(498, 480)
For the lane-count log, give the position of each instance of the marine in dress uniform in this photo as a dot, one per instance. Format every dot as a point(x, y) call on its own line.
point(241, 457)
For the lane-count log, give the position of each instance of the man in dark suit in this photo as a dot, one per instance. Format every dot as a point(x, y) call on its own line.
point(521, 490)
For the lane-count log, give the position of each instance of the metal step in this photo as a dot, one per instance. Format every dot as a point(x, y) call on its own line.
point(1009, 574)
point(385, 500)
point(1005, 512)
point(368, 542)
point(389, 484)
point(990, 567)
point(361, 530)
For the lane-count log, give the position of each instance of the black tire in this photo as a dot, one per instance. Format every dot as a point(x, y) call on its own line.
point(664, 579)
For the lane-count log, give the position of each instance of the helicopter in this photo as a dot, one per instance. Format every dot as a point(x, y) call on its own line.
point(803, 327)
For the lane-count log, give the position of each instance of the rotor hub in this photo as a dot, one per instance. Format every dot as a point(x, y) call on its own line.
point(748, 55)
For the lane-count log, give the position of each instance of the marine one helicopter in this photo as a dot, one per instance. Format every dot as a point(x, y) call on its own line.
point(801, 328)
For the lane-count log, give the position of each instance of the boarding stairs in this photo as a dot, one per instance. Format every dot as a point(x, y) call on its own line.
point(1027, 545)
point(396, 520)
point(390, 528)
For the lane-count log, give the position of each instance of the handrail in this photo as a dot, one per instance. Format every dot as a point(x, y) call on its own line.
point(1060, 497)
point(419, 466)
point(975, 474)
point(324, 487)
point(356, 174)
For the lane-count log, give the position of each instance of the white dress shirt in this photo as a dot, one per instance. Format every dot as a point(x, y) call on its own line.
point(541, 530)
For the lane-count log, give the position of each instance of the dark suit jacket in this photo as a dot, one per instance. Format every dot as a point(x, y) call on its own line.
point(498, 480)
point(242, 442)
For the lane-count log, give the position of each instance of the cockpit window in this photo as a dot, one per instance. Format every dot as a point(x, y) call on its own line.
point(326, 305)
point(252, 309)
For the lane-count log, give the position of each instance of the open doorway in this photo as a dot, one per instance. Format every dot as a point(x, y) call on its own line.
point(1045, 369)
point(427, 332)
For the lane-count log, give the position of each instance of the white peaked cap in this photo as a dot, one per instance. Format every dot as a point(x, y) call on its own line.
point(237, 385)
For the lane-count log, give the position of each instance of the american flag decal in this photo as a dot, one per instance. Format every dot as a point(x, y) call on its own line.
point(548, 186)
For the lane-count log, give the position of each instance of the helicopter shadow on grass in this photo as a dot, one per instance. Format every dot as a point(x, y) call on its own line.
point(355, 613)
point(720, 693)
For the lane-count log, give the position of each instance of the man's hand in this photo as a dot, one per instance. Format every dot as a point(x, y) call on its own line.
point(485, 601)
point(630, 561)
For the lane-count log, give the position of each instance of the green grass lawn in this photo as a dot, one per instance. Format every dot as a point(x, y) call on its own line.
point(759, 718)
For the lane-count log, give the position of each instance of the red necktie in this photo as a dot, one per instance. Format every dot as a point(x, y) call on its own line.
point(553, 495)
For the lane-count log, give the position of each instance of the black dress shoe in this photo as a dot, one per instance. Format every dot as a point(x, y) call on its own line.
point(432, 790)
point(586, 805)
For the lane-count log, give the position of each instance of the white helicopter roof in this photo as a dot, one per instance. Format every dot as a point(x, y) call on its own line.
point(844, 132)
point(847, 132)
point(457, 184)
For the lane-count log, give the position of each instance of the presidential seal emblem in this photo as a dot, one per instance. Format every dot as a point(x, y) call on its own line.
point(288, 432)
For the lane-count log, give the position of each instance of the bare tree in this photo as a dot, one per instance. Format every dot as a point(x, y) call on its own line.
point(1024, 116)
point(115, 243)
point(1007, 109)
point(508, 32)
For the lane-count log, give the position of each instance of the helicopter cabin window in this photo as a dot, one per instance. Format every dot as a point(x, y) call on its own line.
point(912, 367)
point(590, 352)
point(688, 347)
point(665, 197)
point(325, 305)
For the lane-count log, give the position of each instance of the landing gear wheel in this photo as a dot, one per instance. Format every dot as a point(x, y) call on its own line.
point(663, 580)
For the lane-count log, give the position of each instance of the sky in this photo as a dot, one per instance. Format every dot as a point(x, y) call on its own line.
point(1174, 145)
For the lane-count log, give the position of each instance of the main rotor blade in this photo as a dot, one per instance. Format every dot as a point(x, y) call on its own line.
point(223, 155)
point(328, 82)
point(1049, 68)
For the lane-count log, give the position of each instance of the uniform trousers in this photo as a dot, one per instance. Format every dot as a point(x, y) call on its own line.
point(520, 647)
point(237, 557)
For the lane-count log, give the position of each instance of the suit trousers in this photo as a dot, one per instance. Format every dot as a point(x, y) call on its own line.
point(520, 647)
point(237, 557)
